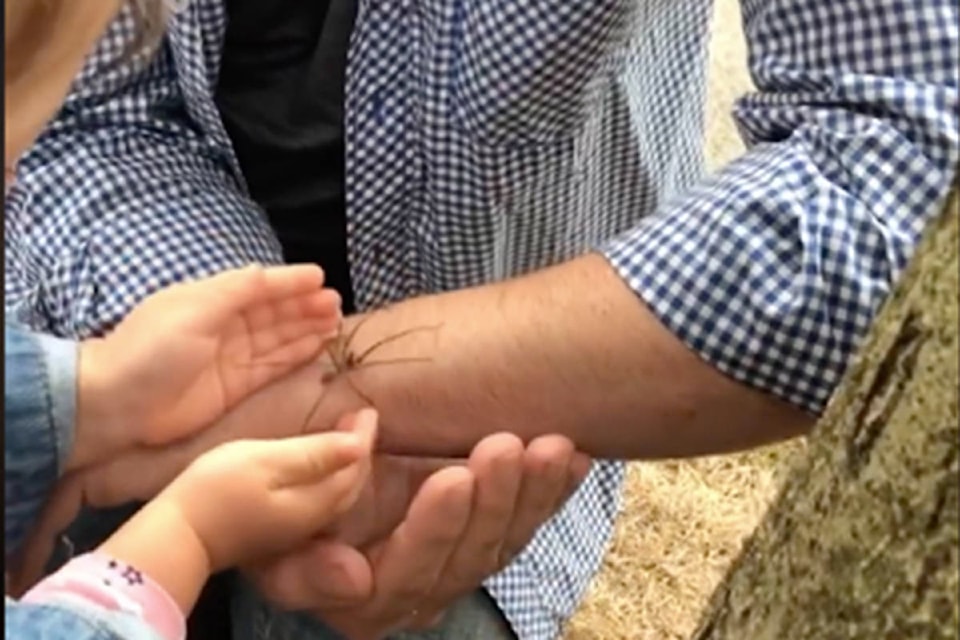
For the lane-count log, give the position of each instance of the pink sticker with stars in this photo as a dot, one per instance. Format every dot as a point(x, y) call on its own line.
point(95, 578)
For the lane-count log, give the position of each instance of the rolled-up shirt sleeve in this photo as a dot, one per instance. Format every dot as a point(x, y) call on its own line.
point(773, 268)
point(40, 395)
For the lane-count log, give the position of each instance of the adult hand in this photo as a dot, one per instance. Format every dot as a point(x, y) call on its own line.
point(463, 525)
point(189, 353)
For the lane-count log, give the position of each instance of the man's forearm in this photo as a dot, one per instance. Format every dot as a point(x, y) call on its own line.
point(567, 350)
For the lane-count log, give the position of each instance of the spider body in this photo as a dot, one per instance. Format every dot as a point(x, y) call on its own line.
point(344, 360)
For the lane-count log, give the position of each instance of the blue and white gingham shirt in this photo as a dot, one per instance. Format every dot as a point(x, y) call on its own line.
point(489, 137)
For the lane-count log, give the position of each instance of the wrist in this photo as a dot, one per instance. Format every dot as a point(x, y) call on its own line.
point(100, 424)
point(181, 567)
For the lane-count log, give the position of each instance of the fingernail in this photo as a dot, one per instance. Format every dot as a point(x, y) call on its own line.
point(367, 421)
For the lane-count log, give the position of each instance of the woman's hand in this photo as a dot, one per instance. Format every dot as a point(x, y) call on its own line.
point(189, 353)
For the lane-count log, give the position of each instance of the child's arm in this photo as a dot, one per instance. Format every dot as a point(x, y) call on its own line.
point(241, 501)
point(181, 359)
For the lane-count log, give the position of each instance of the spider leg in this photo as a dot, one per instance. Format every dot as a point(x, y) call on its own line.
point(353, 385)
point(338, 354)
point(353, 332)
point(375, 363)
point(330, 347)
point(379, 343)
point(312, 412)
point(356, 389)
point(325, 378)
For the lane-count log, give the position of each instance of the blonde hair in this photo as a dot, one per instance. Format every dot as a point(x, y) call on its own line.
point(45, 45)
point(41, 28)
point(151, 18)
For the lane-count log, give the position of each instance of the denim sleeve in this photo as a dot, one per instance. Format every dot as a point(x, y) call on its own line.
point(71, 621)
point(38, 420)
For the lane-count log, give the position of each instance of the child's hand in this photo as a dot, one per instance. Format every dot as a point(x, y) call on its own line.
point(189, 353)
point(246, 500)
point(251, 498)
point(139, 474)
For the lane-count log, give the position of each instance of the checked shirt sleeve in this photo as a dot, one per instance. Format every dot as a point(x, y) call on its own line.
point(773, 269)
point(129, 190)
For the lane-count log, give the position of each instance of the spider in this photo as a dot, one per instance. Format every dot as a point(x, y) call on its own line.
point(344, 360)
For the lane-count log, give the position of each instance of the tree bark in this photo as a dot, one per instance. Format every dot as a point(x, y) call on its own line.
point(862, 541)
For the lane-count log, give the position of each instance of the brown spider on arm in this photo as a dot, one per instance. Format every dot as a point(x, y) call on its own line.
point(344, 360)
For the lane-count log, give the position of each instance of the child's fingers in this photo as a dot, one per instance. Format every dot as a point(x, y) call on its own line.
point(266, 340)
point(363, 423)
point(318, 304)
point(288, 280)
point(267, 326)
point(235, 290)
point(311, 458)
point(321, 498)
point(273, 365)
point(321, 304)
point(316, 505)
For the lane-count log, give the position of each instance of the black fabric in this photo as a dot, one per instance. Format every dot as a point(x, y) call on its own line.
point(210, 618)
point(280, 94)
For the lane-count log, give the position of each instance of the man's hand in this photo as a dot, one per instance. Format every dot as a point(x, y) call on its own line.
point(191, 352)
point(464, 524)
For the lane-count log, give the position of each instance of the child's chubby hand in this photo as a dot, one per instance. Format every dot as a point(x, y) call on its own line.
point(190, 352)
point(140, 474)
point(250, 499)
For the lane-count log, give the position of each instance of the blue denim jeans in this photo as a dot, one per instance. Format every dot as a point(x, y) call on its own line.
point(71, 621)
point(475, 617)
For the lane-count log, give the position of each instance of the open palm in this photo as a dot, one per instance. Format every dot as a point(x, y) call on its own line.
point(190, 353)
